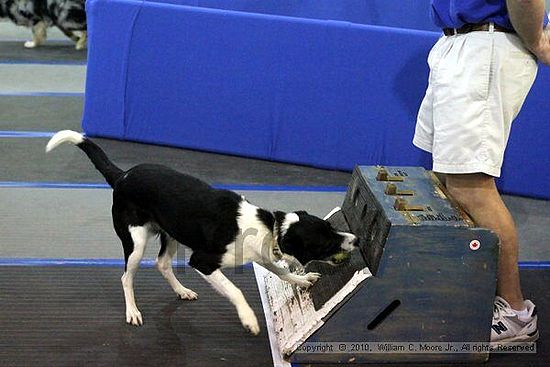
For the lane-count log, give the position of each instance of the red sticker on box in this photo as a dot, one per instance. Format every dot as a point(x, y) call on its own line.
point(475, 245)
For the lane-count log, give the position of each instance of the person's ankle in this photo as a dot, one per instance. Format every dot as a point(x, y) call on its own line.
point(515, 302)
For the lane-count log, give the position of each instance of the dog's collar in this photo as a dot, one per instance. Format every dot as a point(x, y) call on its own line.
point(278, 246)
point(277, 235)
point(276, 249)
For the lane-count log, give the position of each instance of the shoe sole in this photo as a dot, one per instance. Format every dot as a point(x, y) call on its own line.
point(526, 338)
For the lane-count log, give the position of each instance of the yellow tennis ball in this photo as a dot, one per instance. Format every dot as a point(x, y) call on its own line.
point(340, 257)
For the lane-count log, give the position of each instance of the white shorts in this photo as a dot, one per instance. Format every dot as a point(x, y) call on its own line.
point(478, 83)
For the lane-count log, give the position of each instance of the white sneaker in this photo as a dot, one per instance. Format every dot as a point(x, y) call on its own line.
point(508, 328)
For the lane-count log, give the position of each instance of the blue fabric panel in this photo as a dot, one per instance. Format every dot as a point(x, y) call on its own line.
point(413, 14)
point(246, 84)
point(527, 160)
point(205, 81)
point(109, 33)
point(324, 93)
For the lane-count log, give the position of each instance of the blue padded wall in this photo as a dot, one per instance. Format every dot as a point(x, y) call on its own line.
point(326, 93)
point(527, 158)
point(413, 14)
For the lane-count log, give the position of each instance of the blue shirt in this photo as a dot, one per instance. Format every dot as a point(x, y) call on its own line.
point(456, 13)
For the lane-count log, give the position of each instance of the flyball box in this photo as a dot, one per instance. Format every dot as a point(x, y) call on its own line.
point(423, 273)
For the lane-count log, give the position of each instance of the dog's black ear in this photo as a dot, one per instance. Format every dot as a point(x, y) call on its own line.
point(301, 212)
point(279, 216)
point(292, 239)
point(292, 244)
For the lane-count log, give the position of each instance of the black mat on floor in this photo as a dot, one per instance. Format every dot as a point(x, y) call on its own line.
point(51, 52)
point(68, 316)
point(26, 113)
point(74, 316)
point(25, 160)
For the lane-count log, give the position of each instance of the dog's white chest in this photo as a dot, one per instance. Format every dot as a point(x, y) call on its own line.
point(253, 241)
point(249, 246)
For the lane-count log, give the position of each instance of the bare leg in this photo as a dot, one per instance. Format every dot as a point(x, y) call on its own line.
point(478, 195)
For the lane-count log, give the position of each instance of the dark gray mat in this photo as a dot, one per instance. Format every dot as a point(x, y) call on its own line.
point(25, 160)
point(67, 316)
point(25, 113)
point(62, 52)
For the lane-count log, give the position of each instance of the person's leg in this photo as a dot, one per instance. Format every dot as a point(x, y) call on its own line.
point(478, 87)
point(514, 320)
point(478, 195)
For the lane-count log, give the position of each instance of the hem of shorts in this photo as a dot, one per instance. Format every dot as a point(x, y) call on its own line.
point(422, 144)
point(466, 168)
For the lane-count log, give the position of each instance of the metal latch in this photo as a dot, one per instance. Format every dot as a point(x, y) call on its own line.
point(402, 205)
point(383, 175)
point(391, 189)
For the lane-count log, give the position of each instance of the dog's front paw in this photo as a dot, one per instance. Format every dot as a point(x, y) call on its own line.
point(133, 316)
point(30, 44)
point(249, 321)
point(313, 277)
point(307, 280)
point(186, 293)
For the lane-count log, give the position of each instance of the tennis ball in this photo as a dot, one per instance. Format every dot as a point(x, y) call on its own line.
point(340, 257)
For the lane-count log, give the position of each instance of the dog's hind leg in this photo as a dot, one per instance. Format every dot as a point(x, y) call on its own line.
point(82, 39)
point(69, 34)
point(234, 294)
point(134, 242)
point(164, 265)
point(39, 35)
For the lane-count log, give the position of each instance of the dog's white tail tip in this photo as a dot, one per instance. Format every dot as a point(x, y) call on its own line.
point(64, 136)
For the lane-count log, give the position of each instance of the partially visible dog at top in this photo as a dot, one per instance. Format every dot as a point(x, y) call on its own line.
point(67, 15)
point(220, 227)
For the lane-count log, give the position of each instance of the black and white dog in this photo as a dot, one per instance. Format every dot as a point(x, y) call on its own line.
point(220, 227)
point(68, 15)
